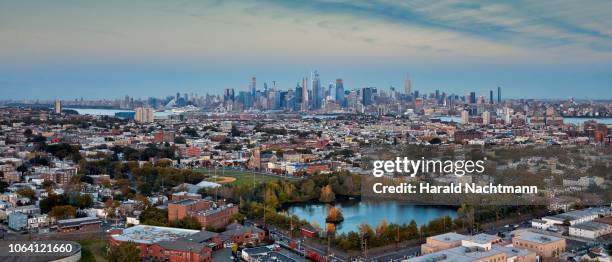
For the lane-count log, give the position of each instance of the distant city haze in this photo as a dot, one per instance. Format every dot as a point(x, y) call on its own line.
point(105, 50)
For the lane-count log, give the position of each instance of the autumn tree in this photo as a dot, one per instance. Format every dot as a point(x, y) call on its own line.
point(63, 212)
point(26, 192)
point(327, 194)
point(334, 215)
point(270, 199)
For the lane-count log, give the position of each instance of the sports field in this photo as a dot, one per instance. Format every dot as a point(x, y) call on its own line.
point(240, 177)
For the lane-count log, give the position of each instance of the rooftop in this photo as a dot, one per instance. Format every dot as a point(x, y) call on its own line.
point(591, 226)
point(449, 237)
point(482, 238)
point(537, 238)
point(152, 234)
point(457, 254)
point(511, 251)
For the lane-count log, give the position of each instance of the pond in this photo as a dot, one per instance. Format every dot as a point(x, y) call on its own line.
point(357, 212)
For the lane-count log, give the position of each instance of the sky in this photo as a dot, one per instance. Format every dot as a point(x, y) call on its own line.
point(68, 49)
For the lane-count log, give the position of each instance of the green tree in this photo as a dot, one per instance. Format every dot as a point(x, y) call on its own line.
point(180, 140)
point(154, 217)
point(84, 201)
point(188, 223)
point(124, 252)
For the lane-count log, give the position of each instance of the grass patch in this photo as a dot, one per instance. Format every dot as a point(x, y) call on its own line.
point(243, 178)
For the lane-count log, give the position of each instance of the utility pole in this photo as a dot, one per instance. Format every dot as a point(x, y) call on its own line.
point(364, 246)
point(397, 236)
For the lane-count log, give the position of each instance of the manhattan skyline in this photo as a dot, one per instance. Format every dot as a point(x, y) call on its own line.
point(69, 50)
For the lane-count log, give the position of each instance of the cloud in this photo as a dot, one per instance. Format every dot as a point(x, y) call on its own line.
point(381, 30)
point(530, 24)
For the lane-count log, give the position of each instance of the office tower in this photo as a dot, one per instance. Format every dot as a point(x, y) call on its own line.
point(407, 85)
point(305, 94)
point(144, 115)
point(472, 97)
point(178, 95)
point(499, 94)
point(126, 102)
point(340, 91)
point(253, 86)
point(490, 96)
point(331, 92)
point(282, 99)
point(245, 98)
point(366, 96)
point(228, 95)
point(465, 117)
point(297, 97)
point(317, 91)
point(486, 117)
point(57, 107)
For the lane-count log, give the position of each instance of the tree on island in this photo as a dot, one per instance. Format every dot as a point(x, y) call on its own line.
point(327, 194)
point(334, 215)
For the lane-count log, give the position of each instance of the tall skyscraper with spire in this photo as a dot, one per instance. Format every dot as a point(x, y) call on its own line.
point(499, 94)
point(305, 94)
point(317, 91)
point(408, 85)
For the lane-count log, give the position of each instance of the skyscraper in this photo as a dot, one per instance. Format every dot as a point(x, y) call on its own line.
point(298, 97)
point(499, 94)
point(366, 94)
point(407, 85)
point(490, 96)
point(317, 91)
point(339, 91)
point(305, 94)
point(228, 95)
point(253, 87)
point(472, 97)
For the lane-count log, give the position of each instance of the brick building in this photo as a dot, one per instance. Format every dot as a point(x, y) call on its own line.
point(169, 244)
point(208, 213)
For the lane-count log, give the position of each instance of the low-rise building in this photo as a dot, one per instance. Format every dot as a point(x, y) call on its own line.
point(442, 242)
point(590, 230)
point(169, 244)
point(545, 246)
point(79, 224)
